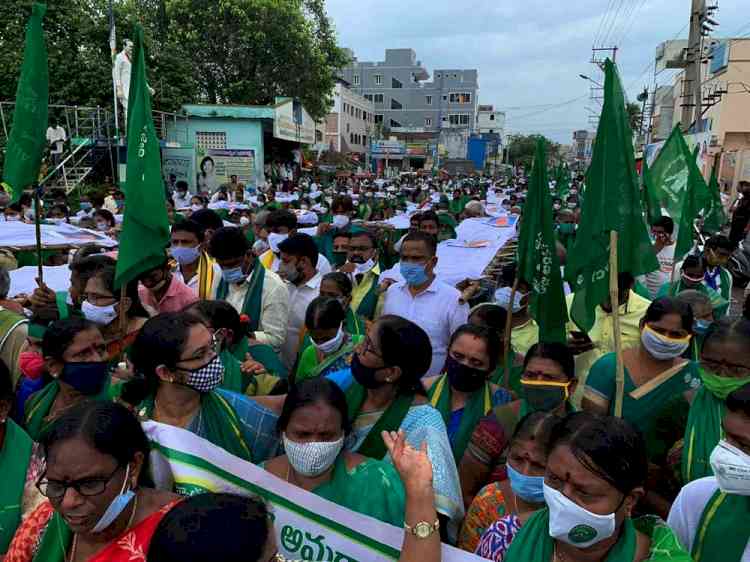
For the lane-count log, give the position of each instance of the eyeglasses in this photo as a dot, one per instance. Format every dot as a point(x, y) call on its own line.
point(55, 489)
point(724, 369)
point(217, 339)
point(99, 299)
point(368, 347)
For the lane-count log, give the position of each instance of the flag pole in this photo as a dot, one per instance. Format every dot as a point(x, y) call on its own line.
point(38, 231)
point(615, 303)
point(508, 328)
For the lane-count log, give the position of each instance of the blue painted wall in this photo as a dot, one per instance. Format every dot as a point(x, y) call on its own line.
point(477, 149)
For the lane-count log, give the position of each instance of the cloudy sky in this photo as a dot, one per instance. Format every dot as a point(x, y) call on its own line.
point(529, 53)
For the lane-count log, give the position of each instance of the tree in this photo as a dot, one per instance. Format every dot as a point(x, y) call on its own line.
point(251, 51)
point(521, 149)
point(633, 111)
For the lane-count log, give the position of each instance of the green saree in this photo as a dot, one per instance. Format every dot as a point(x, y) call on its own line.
point(14, 462)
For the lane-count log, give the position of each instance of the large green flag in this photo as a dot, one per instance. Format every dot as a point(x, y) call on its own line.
point(23, 157)
point(612, 202)
point(714, 217)
point(538, 264)
point(692, 202)
point(651, 201)
point(145, 227)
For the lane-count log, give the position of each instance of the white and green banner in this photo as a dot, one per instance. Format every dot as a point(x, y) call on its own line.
point(307, 527)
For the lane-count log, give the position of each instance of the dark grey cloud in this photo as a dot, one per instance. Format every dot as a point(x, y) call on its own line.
point(528, 52)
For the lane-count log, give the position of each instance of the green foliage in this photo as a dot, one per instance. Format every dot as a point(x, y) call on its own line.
point(215, 51)
point(523, 147)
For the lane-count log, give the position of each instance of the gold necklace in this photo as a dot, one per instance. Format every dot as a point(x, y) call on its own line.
point(75, 537)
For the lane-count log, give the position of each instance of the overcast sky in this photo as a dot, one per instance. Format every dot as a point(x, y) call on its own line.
point(529, 53)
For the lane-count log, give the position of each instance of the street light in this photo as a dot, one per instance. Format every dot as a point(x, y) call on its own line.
point(590, 80)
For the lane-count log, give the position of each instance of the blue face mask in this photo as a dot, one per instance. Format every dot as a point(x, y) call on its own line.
point(234, 275)
point(700, 327)
point(85, 206)
point(185, 255)
point(117, 506)
point(414, 273)
point(528, 488)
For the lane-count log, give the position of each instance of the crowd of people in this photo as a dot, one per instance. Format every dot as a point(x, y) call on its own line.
point(299, 330)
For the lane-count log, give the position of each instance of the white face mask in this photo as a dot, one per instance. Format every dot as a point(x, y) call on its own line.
point(502, 298)
point(196, 208)
point(244, 221)
point(574, 525)
point(102, 226)
point(102, 315)
point(312, 459)
point(731, 468)
point(362, 268)
point(275, 239)
point(329, 346)
point(260, 246)
point(340, 221)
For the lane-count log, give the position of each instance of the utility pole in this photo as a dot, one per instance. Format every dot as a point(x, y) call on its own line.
point(701, 23)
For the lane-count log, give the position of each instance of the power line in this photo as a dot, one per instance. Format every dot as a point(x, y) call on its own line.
point(627, 16)
point(605, 15)
point(528, 115)
point(613, 23)
point(633, 19)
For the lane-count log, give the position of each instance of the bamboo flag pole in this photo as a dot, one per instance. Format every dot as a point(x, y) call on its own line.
point(508, 328)
point(38, 230)
point(613, 297)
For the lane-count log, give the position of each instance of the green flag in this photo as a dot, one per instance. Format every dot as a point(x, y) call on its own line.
point(612, 202)
point(714, 217)
point(692, 202)
point(538, 264)
point(145, 227)
point(651, 201)
point(26, 143)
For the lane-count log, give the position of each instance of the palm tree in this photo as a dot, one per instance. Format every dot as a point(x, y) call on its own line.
point(634, 116)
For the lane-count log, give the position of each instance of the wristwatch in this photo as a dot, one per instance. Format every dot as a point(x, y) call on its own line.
point(423, 529)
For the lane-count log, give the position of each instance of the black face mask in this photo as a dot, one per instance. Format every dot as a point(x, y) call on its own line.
point(464, 378)
point(88, 377)
point(365, 375)
point(543, 398)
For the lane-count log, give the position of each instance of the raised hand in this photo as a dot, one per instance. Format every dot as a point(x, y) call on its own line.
point(413, 465)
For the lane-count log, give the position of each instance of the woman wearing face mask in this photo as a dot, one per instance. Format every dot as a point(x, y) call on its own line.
point(74, 356)
point(703, 317)
point(547, 384)
point(525, 330)
point(331, 347)
point(313, 425)
point(384, 393)
point(197, 202)
point(596, 470)
point(337, 285)
point(98, 510)
point(178, 374)
point(102, 306)
point(464, 394)
point(706, 513)
point(654, 371)
point(105, 221)
point(494, 317)
point(254, 370)
point(500, 508)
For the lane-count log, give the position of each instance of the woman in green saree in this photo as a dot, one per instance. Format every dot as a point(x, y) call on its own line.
point(331, 348)
point(16, 449)
point(314, 424)
point(596, 472)
point(74, 355)
point(178, 372)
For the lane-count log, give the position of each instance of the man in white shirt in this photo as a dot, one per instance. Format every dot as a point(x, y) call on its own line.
point(181, 197)
point(299, 258)
point(259, 294)
point(701, 515)
point(431, 304)
point(56, 138)
point(664, 245)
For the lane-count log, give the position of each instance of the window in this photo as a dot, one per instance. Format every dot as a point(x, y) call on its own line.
point(347, 127)
point(428, 122)
point(395, 123)
point(396, 83)
point(455, 76)
point(357, 113)
point(437, 75)
point(491, 131)
point(395, 104)
point(318, 136)
point(378, 98)
point(210, 139)
point(462, 97)
point(378, 79)
point(356, 79)
point(364, 116)
point(428, 100)
point(459, 119)
point(378, 118)
point(364, 139)
point(492, 116)
point(445, 98)
point(368, 97)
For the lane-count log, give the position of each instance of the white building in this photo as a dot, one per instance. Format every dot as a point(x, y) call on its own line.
point(490, 121)
point(350, 124)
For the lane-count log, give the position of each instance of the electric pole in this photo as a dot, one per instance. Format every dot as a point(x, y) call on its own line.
point(692, 89)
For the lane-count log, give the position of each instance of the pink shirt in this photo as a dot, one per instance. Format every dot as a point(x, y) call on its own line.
point(177, 297)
